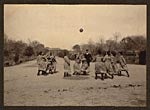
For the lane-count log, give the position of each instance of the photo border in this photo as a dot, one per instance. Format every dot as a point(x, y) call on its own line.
point(72, 2)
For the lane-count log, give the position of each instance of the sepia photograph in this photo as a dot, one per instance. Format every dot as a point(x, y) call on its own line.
point(75, 55)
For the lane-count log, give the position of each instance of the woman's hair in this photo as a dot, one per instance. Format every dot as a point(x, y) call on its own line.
point(102, 59)
point(113, 53)
point(50, 53)
point(99, 52)
point(65, 53)
point(40, 53)
point(104, 53)
point(121, 53)
point(108, 53)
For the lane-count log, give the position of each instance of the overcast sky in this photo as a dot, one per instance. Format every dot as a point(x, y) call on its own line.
point(58, 25)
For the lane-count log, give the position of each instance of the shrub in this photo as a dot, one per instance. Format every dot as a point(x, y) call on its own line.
point(29, 51)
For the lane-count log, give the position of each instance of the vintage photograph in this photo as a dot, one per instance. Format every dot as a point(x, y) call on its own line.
point(75, 55)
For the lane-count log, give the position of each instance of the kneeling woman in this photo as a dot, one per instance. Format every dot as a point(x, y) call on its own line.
point(84, 67)
point(42, 64)
point(100, 67)
point(76, 67)
point(107, 60)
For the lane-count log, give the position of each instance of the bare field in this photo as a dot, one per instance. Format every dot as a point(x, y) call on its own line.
point(22, 87)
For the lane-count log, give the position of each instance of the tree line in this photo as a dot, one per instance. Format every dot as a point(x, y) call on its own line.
point(132, 46)
point(16, 52)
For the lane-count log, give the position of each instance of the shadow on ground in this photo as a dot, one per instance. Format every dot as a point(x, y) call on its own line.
point(77, 78)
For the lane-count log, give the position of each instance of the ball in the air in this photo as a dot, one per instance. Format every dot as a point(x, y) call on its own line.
point(81, 30)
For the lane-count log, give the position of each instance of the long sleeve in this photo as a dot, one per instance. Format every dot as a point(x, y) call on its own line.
point(123, 59)
point(66, 59)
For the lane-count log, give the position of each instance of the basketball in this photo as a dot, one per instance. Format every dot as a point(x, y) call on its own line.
point(81, 30)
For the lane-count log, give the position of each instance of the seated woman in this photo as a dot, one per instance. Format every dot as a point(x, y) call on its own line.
point(107, 60)
point(100, 67)
point(51, 67)
point(84, 67)
point(76, 67)
point(42, 64)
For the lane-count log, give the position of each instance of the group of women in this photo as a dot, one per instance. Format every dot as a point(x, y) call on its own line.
point(107, 64)
point(46, 64)
point(81, 65)
point(110, 64)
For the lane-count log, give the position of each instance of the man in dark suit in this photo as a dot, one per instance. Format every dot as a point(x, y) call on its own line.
point(88, 57)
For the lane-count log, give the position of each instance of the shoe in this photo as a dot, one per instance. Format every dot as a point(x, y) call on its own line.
point(128, 74)
point(65, 74)
point(102, 79)
point(119, 73)
point(68, 74)
point(74, 73)
point(105, 75)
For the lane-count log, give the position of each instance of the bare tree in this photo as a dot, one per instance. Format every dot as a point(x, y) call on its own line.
point(116, 36)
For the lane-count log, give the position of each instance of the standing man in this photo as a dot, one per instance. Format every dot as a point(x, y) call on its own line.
point(88, 57)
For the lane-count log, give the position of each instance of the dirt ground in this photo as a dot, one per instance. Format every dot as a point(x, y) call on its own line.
point(22, 87)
